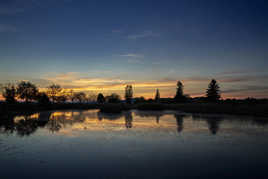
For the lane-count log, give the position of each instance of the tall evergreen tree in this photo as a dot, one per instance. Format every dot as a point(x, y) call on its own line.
point(213, 91)
point(100, 98)
point(157, 95)
point(128, 93)
point(179, 97)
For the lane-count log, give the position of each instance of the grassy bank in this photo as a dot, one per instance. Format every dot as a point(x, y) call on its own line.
point(213, 108)
point(6, 109)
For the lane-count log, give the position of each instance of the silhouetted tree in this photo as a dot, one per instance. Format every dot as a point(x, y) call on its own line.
point(61, 98)
point(27, 91)
point(42, 98)
point(180, 97)
point(128, 93)
point(100, 98)
point(113, 98)
point(91, 97)
point(157, 96)
point(9, 93)
point(54, 91)
point(213, 91)
point(71, 96)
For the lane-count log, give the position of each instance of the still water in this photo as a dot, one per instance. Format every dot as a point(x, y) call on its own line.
point(133, 144)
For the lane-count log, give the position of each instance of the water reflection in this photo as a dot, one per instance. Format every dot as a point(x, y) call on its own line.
point(23, 125)
point(128, 119)
point(213, 122)
point(155, 114)
point(54, 122)
point(179, 120)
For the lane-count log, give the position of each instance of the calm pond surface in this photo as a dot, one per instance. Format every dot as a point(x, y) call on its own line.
point(134, 144)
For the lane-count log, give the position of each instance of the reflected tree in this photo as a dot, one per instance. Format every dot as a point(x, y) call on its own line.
point(128, 119)
point(7, 126)
point(100, 117)
point(179, 120)
point(214, 124)
point(53, 125)
point(157, 117)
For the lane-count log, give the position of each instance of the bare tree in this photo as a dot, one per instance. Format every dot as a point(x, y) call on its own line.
point(27, 91)
point(9, 93)
point(54, 91)
point(80, 97)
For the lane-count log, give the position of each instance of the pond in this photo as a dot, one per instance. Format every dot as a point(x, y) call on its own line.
point(133, 144)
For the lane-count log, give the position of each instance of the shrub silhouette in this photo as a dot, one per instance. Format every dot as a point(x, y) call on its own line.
point(113, 98)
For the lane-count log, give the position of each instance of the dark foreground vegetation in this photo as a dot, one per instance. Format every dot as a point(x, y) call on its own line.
point(256, 108)
point(56, 98)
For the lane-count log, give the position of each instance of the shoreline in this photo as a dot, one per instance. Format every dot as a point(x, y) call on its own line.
point(257, 110)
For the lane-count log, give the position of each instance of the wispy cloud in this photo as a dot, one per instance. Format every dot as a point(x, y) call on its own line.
point(145, 34)
point(241, 72)
point(133, 58)
point(132, 55)
point(247, 88)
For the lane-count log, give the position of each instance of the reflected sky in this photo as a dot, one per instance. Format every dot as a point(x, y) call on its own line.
point(131, 144)
point(68, 122)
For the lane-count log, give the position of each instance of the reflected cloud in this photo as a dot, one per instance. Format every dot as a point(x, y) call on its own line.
point(71, 123)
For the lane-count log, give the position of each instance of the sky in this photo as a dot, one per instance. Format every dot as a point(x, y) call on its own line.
point(102, 45)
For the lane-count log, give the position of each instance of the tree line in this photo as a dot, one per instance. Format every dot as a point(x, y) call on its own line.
point(29, 92)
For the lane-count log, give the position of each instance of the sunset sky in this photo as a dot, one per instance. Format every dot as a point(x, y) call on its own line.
point(100, 46)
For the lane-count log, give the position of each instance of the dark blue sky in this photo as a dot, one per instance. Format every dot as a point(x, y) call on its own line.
point(141, 42)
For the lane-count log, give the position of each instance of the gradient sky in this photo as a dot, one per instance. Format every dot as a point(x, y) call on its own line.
point(100, 46)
